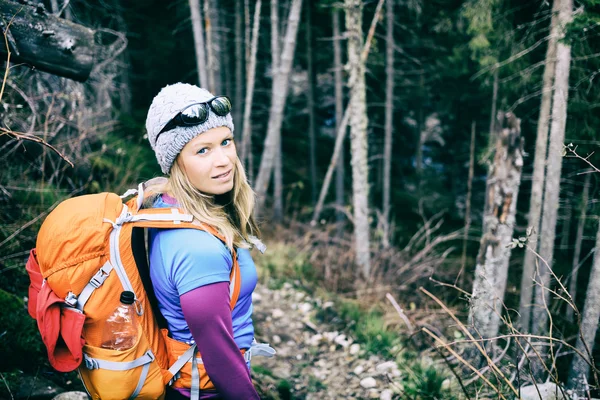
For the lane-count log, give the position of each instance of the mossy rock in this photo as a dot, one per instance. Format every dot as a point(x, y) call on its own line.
point(20, 342)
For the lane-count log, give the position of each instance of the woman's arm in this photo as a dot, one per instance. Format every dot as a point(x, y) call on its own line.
point(208, 314)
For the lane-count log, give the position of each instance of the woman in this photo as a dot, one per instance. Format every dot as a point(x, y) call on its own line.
point(191, 133)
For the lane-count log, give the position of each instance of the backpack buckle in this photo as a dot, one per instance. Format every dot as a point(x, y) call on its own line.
point(71, 299)
point(99, 277)
point(91, 363)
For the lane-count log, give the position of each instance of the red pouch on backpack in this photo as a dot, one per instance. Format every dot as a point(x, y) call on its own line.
point(35, 282)
point(61, 329)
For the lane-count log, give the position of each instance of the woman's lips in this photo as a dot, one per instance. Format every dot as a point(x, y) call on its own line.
point(223, 176)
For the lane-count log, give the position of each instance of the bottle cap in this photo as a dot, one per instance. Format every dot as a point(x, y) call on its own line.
point(127, 297)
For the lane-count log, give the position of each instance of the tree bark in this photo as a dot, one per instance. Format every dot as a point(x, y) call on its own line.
point(493, 112)
point(389, 121)
point(277, 172)
point(578, 240)
point(310, 100)
point(211, 47)
point(539, 164)
point(589, 325)
point(199, 42)
point(358, 136)
point(339, 114)
point(278, 99)
point(239, 66)
point(491, 269)
point(463, 262)
point(56, 45)
point(246, 152)
point(552, 189)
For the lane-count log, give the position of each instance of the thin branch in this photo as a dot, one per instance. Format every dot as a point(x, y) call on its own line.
point(36, 139)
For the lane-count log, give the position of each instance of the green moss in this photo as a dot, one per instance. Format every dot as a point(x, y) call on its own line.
point(20, 343)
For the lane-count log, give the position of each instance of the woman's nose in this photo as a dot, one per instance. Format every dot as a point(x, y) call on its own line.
point(221, 158)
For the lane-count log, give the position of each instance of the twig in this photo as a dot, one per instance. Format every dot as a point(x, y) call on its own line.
point(468, 333)
point(464, 389)
point(465, 362)
point(584, 159)
point(7, 387)
point(36, 139)
point(400, 312)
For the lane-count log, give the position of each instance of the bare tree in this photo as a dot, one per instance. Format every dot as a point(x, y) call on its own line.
point(199, 42)
point(463, 262)
point(578, 239)
point(239, 65)
point(358, 135)
point(553, 171)
point(245, 153)
point(589, 325)
point(339, 114)
point(491, 270)
point(310, 99)
point(212, 60)
point(537, 185)
point(341, 130)
point(389, 121)
point(551, 192)
point(277, 170)
point(278, 98)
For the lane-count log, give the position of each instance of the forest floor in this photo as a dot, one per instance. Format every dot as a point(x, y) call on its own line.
point(313, 360)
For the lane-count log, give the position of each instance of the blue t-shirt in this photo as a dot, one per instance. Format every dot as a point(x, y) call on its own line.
point(185, 259)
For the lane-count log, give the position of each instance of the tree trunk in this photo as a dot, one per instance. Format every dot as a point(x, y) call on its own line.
point(358, 136)
point(539, 165)
point(389, 121)
point(463, 263)
point(552, 189)
point(59, 47)
point(578, 239)
point(493, 112)
point(210, 55)
point(340, 133)
point(310, 100)
point(491, 269)
point(239, 67)
point(246, 152)
point(211, 47)
point(339, 114)
point(199, 42)
point(589, 326)
point(566, 217)
point(223, 37)
point(277, 172)
point(278, 99)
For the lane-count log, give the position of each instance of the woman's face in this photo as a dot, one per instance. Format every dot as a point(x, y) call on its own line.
point(208, 161)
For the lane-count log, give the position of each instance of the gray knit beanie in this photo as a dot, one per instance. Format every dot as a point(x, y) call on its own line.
point(166, 105)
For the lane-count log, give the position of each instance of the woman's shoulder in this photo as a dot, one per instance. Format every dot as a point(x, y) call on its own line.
point(189, 243)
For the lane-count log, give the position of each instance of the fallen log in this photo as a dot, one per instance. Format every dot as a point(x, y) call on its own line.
point(46, 42)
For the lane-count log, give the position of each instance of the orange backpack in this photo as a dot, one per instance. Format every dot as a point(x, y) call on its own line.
point(90, 249)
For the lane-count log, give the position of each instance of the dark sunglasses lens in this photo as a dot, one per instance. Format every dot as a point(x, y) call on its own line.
point(221, 105)
point(194, 114)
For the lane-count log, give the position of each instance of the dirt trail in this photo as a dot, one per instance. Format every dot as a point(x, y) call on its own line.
point(313, 360)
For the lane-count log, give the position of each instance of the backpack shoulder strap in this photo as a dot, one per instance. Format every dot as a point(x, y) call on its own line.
point(175, 218)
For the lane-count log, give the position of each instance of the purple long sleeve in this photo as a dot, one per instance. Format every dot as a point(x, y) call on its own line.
point(208, 314)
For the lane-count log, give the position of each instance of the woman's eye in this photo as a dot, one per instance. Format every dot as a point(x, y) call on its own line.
point(226, 142)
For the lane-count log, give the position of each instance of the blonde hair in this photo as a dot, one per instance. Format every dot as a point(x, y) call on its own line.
point(235, 221)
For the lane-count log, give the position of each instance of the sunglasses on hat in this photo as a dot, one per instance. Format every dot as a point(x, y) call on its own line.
point(197, 113)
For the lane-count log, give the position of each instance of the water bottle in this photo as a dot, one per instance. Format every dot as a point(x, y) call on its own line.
point(121, 327)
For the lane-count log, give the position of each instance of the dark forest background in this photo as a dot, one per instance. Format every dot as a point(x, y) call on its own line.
point(447, 57)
